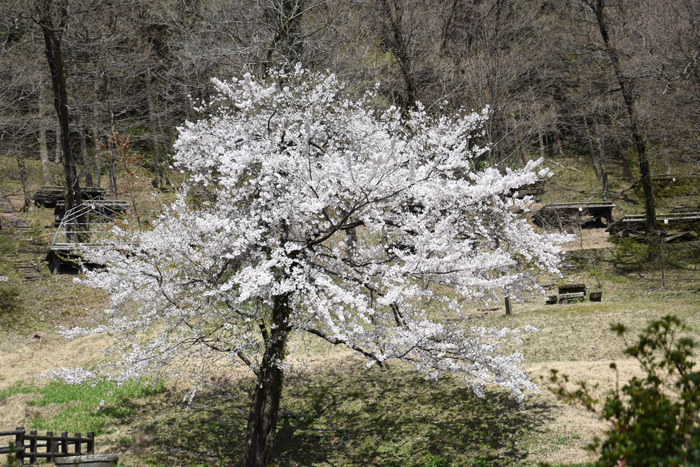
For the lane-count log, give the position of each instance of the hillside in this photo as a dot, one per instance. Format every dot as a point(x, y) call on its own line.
point(336, 411)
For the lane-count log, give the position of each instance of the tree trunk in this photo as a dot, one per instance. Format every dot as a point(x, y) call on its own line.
point(43, 149)
point(540, 140)
point(602, 166)
point(25, 182)
point(57, 157)
point(52, 49)
point(112, 162)
point(591, 150)
point(395, 36)
point(265, 404)
point(157, 168)
point(603, 171)
point(96, 139)
point(57, 149)
point(112, 171)
point(288, 40)
point(558, 151)
point(87, 163)
point(627, 88)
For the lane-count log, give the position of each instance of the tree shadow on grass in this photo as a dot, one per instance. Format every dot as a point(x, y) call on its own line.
point(352, 416)
point(394, 417)
point(210, 431)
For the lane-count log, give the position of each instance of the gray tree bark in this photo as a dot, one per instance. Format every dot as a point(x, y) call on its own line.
point(87, 161)
point(52, 48)
point(627, 89)
point(43, 149)
point(265, 404)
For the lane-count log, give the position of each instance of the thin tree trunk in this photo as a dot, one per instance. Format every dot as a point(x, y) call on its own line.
point(87, 163)
point(25, 182)
point(112, 171)
point(52, 49)
point(43, 149)
point(265, 404)
point(57, 157)
point(627, 88)
point(111, 159)
point(97, 156)
point(603, 169)
point(557, 143)
point(157, 168)
point(591, 150)
point(96, 139)
point(288, 39)
point(395, 36)
point(57, 153)
point(601, 163)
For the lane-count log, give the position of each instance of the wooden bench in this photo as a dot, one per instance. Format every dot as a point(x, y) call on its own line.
point(571, 293)
point(633, 225)
point(48, 196)
point(559, 215)
point(533, 189)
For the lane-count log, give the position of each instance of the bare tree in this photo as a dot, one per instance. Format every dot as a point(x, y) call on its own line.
point(52, 19)
point(626, 82)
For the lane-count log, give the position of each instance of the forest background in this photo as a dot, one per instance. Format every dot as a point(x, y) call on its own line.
point(557, 83)
point(558, 75)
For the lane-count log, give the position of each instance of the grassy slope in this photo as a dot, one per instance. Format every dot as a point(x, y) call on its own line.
point(337, 412)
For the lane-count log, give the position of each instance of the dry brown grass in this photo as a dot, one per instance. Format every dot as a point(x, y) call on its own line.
point(23, 358)
point(574, 339)
point(563, 440)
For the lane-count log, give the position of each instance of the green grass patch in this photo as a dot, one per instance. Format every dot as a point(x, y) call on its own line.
point(7, 244)
point(20, 387)
point(10, 303)
point(82, 408)
point(90, 407)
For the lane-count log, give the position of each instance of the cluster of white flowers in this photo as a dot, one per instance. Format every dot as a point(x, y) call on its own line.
point(356, 217)
point(70, 375)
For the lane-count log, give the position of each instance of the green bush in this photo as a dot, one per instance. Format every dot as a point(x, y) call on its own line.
point(654, 420)
point(9, 299)
point(7, 244)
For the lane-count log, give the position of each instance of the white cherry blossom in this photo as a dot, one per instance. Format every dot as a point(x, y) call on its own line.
point(308, 211)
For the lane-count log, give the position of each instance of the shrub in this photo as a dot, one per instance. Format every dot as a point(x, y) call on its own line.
point(9, 299)
point(654, 420)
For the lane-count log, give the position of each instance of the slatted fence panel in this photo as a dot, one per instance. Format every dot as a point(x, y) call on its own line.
point(29, 448)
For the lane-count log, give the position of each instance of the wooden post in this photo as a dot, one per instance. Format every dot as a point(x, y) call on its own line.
point(19, 446)
point(509, 310)
point(91, 442)
point(78, 447)
point(49, 445)
point(64, 443)
point(32, 447)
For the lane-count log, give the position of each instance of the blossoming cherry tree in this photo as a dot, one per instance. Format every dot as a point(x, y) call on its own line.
point(307, 211)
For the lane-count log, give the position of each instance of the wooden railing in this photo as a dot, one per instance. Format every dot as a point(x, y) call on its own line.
point(28, 448)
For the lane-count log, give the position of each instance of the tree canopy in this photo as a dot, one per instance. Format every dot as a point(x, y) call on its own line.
point(308, 211)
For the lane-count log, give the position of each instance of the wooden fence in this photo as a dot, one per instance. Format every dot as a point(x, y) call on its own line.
point(29, 447)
